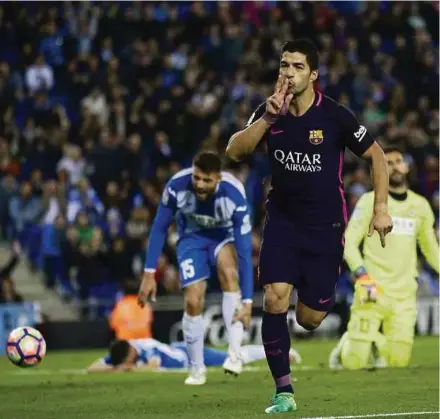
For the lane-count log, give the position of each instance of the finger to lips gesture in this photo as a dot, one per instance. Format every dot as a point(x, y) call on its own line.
point(278, 103)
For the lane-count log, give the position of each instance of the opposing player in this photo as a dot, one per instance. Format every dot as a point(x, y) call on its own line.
point(215, 230)
point(150, 354)
point(386, 286)
point(306, 134)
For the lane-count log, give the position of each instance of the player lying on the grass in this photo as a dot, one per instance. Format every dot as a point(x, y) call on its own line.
point(150, 354)
point(306, 134)
point(214, 231)
point(386, 286)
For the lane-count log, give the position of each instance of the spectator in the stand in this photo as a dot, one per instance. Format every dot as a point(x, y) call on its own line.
point(137, 227)
point(39, 76)
point(73, 163)
point(119, 261)
point(53, 202)
point(8, 188)
point(105, 161)
point(90, 261)
point(25, 212)
point(96, 104)
point(83, 198)
point(8, 164)
point(51, 45)
point(36, 180)
point(51, 248)
point(115, 209)
point(83, 24)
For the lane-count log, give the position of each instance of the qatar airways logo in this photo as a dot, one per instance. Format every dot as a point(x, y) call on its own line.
point(299, 162)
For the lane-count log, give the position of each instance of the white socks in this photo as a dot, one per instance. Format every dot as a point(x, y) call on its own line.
point(230, 304)
point(194, 335)
point(252, 353)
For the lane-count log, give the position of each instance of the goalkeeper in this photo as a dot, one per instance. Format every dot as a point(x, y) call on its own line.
point(385, 277)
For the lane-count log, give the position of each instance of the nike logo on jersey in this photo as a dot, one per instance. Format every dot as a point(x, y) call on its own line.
point(275, 132)
point(321, 301)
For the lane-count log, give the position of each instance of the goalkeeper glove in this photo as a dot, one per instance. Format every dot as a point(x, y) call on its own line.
point(365, 287)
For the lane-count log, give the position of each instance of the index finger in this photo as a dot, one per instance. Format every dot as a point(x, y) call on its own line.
point(382, 238)
point(279, 84)
point(284, 86)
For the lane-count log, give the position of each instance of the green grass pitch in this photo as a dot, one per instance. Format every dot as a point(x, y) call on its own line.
point(57, 389)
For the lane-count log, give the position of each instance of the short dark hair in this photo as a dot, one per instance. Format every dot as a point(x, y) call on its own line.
point(392, 149)
point(304, 46)
point(119, 350)
point(208, 162)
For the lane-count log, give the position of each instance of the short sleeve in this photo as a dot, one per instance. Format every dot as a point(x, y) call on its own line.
point(355, 136)
point(258, 113)
point(169, 196)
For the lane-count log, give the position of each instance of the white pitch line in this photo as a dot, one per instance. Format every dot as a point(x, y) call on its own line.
point(43, 371)
point(376, 415)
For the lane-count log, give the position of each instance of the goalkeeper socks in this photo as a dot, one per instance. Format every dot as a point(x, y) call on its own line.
point(276, 341)
point(235, 330)
point(194, 335)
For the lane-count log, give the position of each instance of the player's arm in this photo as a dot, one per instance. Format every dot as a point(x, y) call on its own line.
point(159, 230)
point(379, 171)
point(100, 365)
point(162, 221)
point(244, 142)
point(153, 365)
point(358, 140)
point(243, 244)
point(356, 232)
point(427, 239)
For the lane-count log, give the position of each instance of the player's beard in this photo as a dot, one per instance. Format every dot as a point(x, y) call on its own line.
point(397, 180)
point(204, 194)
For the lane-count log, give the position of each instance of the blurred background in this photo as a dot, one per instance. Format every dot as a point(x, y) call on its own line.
point(101, 103)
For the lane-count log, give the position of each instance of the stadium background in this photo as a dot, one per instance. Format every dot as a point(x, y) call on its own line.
point(101, 103)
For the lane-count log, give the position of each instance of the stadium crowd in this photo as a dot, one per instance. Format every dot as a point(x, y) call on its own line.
point(101, 103)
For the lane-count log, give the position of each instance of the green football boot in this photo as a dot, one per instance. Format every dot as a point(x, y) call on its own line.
point(282, 403)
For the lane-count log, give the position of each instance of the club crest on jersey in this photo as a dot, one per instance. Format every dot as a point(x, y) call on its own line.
point(316, 136)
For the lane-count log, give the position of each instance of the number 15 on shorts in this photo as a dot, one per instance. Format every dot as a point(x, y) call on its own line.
point(187, 267)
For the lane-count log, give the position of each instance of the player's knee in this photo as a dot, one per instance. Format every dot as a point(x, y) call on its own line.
point(309, 323)
point(229, 279)
point(355, 354)
point(194, 306)
point(277, 298)
point(194, 303)
point(399, 354)
point(308, 318)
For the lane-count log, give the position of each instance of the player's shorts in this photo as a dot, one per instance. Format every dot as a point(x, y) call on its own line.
point(308, 257)
point(196, 254)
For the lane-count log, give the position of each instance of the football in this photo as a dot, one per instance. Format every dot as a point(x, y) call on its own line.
point(25, 347)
